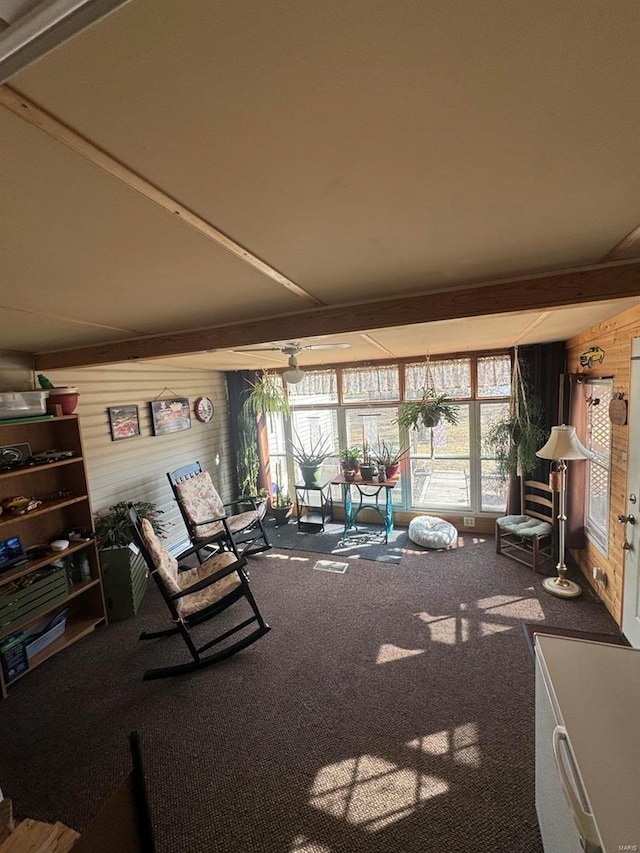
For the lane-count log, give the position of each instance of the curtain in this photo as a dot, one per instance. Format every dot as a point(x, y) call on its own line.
point(245, 444)
point(543, 366)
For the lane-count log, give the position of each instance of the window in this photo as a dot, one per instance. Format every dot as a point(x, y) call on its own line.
point(599, 393)
point(448, 468)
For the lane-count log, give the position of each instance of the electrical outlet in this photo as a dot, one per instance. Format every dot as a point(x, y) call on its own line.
point(469, 521)
point(599, 576)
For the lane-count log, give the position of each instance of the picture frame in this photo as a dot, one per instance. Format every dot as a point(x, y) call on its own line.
point(169, 416)
point(124, 422)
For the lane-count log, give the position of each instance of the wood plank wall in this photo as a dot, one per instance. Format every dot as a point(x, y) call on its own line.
point(135, 468)
point(614, 336)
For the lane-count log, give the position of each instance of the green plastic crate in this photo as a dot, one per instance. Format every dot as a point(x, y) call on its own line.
point(30, 596)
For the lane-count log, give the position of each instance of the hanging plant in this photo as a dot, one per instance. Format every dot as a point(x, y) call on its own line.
point(266, 397)
point(428, 411)
point(515, 438)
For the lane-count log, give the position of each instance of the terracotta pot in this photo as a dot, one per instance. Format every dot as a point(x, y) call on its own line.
point(391, 471)
point(350, 474)
point(66, 398)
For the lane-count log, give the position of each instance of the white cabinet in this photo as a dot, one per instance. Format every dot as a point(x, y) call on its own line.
point(587, 746)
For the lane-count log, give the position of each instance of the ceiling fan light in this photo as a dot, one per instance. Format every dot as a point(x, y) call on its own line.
point(293, 375)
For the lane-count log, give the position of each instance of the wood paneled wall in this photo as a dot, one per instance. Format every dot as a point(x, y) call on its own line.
point(135, 468)
point(614, 336)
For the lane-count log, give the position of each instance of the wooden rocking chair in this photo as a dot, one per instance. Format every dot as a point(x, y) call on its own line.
point(194, 596)
point(209, 525)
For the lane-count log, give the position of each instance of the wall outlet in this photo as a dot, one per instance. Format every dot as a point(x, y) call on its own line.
point(599, 576)
point(469, 521)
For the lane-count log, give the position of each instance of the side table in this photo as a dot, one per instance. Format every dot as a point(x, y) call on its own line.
point(314, 506)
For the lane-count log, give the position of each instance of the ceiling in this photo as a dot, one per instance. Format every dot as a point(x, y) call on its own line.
point(164, 173)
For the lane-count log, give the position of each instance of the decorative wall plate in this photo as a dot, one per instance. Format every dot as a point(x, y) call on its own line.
point(203, 409)
point(618, 410)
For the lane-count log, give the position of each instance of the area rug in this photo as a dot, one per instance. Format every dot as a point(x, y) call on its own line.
point(531, 628)
point(367, 543)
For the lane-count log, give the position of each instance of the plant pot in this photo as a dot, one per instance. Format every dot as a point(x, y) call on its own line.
point(311, 474)
point(391, 471)
point(66, 398)
point(368, 472)
point(431, 419)
point(281, 514)
point(350, 474)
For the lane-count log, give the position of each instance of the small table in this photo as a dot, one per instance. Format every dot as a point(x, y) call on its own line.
point(367, 489)
point(314, 506)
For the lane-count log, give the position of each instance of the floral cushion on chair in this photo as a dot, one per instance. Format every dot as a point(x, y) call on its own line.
point(201, 501)
point(175, 581)
point(165, 563)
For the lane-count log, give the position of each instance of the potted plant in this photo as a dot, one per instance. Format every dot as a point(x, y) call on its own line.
point(390, 458)
point(515, 438)
point(428, 411)
point(368, 468)
point(124, 572)
point(310, 461)
point(281, 503)
point(350, 458)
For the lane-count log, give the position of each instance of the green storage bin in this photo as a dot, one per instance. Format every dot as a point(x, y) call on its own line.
point(124, 578)
point(30, 596)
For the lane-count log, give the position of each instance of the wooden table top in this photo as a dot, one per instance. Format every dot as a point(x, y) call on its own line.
point(388, 484)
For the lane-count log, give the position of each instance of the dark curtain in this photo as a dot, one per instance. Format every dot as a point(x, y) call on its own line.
point(543, 366)
point(243, 433)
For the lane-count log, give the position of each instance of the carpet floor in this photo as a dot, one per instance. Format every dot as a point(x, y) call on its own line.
point(389, 710)
point(365, 543)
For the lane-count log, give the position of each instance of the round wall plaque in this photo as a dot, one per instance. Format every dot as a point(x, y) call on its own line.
point(618, 410)
point(203, 409)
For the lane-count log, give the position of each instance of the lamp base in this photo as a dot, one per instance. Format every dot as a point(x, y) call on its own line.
point(562, 588)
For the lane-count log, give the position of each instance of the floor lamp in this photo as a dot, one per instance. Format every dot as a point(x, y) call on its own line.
point(563, 444)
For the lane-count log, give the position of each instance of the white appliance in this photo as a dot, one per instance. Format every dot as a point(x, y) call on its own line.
point(587, 746)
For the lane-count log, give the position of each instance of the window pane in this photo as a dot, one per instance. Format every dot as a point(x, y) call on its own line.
point(440, 483)
point(317, 386)
point(599, 441)
point(490, 414)
point(312, 427)
point(494, 376)
point(494, 490)
point(370, 384)
point(374, 425)
point(448, 376)
point(275, 434)
point(445, 440)
point(597, 520)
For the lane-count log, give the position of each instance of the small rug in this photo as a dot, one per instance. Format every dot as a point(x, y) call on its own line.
point(531, 628)
point(331, 566)
point(367, 543)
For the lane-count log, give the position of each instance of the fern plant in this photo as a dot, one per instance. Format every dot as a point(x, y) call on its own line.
point(113, 526)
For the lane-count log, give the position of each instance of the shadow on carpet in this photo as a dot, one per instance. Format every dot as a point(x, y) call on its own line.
point(531, 629)
point(367, 543)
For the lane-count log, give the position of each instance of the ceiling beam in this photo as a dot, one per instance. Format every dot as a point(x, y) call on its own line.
point(54, 128)
point(552, 290)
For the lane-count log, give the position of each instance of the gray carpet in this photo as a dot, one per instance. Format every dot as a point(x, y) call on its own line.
point(389, 710)
point(365, 543)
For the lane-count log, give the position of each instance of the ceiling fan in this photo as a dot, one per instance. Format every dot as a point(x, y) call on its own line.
point(293, 374)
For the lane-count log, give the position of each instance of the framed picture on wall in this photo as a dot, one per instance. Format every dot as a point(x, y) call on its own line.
point(170, 415)
point(124, 422)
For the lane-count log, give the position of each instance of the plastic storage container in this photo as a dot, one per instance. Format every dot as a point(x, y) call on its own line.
point(22, 404)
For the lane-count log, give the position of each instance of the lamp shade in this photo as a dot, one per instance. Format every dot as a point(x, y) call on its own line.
point(563, 443)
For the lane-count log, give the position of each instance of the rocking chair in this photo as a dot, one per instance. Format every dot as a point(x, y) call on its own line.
point(194, 596)
point(209, 526)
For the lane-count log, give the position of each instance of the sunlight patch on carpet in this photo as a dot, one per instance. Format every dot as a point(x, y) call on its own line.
point(460, 744)
point(371, 792)
point(388, 652)
point(331, 566)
